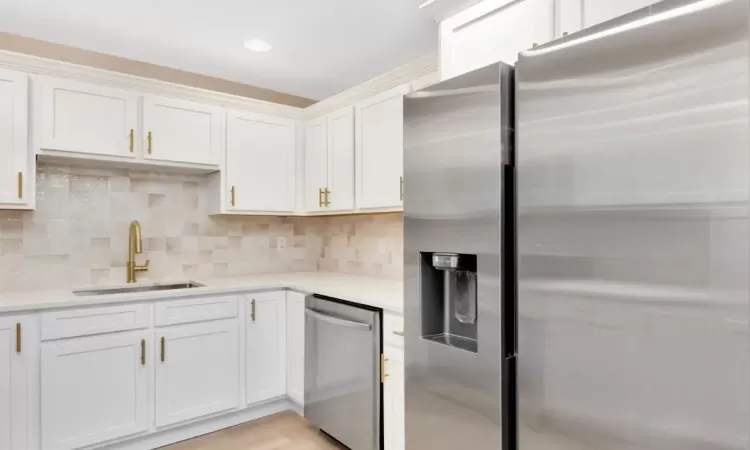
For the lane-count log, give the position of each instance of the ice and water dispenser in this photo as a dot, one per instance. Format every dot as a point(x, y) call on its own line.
point(448, 285)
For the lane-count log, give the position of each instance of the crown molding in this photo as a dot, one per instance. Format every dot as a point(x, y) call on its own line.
point(424, 66)
point(43, 66)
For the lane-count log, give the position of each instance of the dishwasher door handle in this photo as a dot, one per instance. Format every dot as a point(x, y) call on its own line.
point(337, 321)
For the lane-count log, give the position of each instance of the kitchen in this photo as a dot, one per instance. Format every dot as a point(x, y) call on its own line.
point(186, 248)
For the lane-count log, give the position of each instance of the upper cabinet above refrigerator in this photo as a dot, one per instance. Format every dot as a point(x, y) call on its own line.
point(492, 31)
point(497, 30)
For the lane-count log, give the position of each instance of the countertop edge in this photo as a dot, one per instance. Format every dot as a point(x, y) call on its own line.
point(71, 301)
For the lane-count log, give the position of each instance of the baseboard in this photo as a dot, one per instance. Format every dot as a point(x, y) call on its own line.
point(166, 437)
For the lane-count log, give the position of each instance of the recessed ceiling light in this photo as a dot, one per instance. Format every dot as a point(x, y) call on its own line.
point(257, 45)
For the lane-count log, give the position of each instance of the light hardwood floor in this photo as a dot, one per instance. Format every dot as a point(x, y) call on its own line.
point(284, 431)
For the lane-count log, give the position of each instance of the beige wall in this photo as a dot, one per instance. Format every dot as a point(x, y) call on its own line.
point(74, 55)
point(78, 234)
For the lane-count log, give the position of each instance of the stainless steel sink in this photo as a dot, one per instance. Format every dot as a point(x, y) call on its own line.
point(141, 288)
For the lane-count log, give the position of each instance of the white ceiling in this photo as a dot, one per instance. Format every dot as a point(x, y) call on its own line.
point(320, 47)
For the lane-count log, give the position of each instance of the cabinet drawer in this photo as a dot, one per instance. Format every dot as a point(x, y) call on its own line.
point(197, 309)
point(393, 330)
point(87, 321)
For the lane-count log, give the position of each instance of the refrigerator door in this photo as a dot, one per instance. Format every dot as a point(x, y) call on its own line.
point(634, 239)
point(455, 133)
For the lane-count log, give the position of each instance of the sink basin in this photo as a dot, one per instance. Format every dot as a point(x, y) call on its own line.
point(142, 288)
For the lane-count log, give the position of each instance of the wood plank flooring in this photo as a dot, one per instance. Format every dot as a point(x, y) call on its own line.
point(284, 431)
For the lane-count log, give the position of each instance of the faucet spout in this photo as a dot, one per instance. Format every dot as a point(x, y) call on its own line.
point(135, 246)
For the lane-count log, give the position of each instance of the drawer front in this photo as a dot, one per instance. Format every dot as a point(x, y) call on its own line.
point(197, 309)
point(393, 330)
point(87, 321)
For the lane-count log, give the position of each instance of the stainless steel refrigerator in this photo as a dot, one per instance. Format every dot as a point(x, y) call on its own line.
point(633, 177)
point(458, 178)
point(628, 314)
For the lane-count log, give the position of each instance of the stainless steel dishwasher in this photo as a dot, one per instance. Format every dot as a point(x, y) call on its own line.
point(342, 371)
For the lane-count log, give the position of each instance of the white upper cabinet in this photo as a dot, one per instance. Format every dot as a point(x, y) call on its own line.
point(316, 164)
point(15, 154)
point(197, 371)
point(329, 162)
point(492, 31)
point(181, 131)
point(94, 389)
point(15, 383)
point(340, 194)
point(86, 118)
point(265, 346)
point(260, 163)
point(598, 11)
point(379, 143)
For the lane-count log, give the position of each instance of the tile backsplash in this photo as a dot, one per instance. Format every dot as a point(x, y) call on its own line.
point(78, 234)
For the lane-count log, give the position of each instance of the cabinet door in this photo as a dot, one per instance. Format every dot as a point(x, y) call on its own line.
point(260, 167)
point(598, 11)
point(492, 31)
point(15, 382)
point(316, 164)
point(14, 143)
point(181, 131)
point(393, 400)
point(86, 118)
point(341, 160)
point(197, 371)
point(295, 344)
point(94, 389)
point(266, 346)
point(379, 150)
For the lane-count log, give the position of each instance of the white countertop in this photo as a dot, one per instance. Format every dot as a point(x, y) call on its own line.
point(385, 294)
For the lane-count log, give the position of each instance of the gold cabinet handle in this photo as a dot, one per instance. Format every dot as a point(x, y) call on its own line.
point(163, 349)
point(252, 310)
point(320, 197)
point(232, 195)
point(18, 338)
point(148, 139)
point(327, 197)
point(20, 184)
point(131, 140)
point(401, 188)
point(383, 374)
point(143, 352)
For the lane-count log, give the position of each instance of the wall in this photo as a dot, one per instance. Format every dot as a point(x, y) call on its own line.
point(58, 52)
point(79, 233)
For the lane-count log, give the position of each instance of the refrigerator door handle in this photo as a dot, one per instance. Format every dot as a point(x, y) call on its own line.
point(336, 320)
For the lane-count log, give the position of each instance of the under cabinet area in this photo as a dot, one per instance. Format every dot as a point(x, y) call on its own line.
point(197, 371)
point(143, 374)
point(18, 353)
point(94, 389)
point(16, 167)
point(265, 346)
point(295, 345)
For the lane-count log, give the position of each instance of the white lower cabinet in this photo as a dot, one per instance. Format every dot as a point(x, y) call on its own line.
point(295, 347)
point(16, 375)
point(197, 371)
point(265, 346)
point(94, 389)
point(393, 400)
